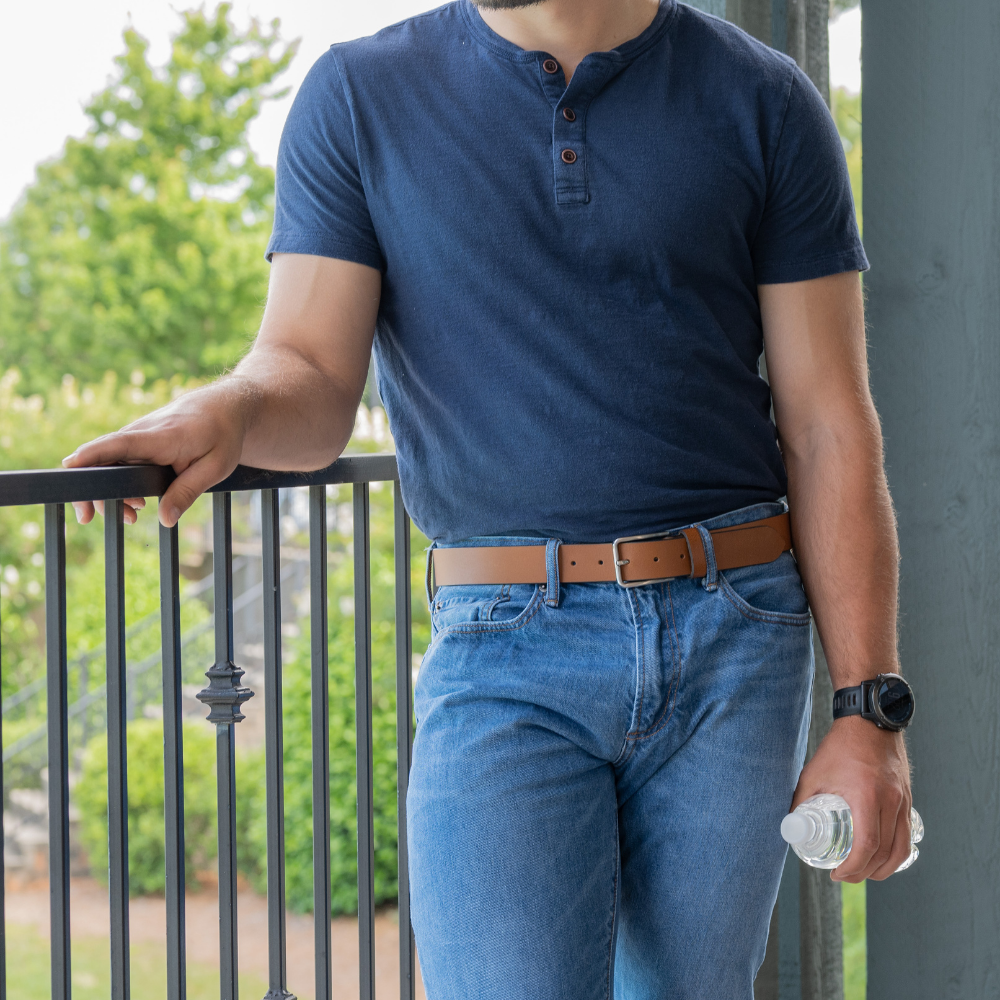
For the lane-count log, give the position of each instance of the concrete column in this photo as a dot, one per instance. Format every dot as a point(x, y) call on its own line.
point(932, 229)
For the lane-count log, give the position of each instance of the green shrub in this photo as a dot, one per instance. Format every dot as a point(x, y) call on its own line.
point(251, 801)
point(145, 792)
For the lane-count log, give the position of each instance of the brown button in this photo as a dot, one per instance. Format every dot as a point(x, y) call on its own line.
point(550, 66)
point(568, 156)
point(569, 114)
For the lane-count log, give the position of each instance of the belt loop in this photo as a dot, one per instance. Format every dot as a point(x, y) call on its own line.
point(711, 581)
point(552, 572)
point(430, 585)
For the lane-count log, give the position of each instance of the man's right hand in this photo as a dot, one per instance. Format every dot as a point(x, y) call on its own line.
point(288, 406)
point(201, 435)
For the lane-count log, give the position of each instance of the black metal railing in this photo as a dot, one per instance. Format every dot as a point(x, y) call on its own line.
point(224, 696)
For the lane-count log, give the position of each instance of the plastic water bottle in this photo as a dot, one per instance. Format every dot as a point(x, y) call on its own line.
point(821, 832)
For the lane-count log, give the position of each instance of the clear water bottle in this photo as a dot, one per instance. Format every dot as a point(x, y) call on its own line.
point(821, 832)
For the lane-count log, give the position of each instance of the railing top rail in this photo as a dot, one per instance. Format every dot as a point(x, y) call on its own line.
point(119, 482)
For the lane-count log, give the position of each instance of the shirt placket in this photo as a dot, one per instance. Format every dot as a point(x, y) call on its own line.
point(571, 181)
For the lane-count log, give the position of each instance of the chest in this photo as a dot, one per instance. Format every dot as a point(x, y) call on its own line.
point(636, 173)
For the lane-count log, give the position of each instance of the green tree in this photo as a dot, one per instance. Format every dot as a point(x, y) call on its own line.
point(140, 247)
point(846, 108)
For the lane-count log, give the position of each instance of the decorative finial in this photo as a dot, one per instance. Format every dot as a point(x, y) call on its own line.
point(224, 695)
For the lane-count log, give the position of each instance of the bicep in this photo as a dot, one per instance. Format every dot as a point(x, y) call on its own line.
point(814, 339)
point(323, 309)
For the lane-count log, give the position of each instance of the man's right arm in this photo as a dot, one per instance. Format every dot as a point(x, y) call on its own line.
point(289, 405)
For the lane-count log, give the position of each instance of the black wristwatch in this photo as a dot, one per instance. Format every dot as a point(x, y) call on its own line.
point(887, 701)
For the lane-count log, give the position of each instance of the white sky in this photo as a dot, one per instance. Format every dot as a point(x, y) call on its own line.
point(55, 54)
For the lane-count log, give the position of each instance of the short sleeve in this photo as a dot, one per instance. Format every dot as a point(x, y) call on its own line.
point(319, 201)
point(808, 228)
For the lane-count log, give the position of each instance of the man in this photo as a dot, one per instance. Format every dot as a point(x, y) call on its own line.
point(570, 228)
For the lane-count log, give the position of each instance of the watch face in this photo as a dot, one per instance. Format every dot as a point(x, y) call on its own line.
point(894, 699)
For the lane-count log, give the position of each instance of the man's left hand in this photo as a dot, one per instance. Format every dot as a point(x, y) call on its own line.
point(867, 766)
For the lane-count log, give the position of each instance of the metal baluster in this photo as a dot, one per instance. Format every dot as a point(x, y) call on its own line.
point(363, 724)
point(58, 745)
point(274, 748)
point(404, 734)
point(173, 763)
point(224, 695)
point(114, 596)
point(319, 642)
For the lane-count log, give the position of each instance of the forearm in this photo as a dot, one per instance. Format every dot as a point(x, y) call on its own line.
point(294, 415)
point(845, 540)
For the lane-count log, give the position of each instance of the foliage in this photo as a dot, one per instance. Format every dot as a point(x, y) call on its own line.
point(846, 109)
point(141, 246)
point(36, 432)
point(855, 944)
point(839, 6)
point(145, 793)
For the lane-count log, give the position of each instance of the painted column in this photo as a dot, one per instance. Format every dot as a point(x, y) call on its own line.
point(932, 229)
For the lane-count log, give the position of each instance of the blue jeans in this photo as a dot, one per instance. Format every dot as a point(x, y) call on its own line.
point(599, 776)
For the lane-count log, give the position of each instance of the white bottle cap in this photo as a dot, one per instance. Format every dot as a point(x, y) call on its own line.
point(795, 828)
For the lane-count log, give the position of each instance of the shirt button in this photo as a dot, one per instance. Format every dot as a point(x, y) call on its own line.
point(569, 114)
point(550, 66)
point(568, 156)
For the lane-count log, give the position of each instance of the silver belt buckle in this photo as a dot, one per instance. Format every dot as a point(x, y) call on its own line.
point(619, 562)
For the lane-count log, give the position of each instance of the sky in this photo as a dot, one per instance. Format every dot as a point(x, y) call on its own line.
point(55, 54)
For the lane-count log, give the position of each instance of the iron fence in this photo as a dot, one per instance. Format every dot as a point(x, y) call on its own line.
point(224, 696)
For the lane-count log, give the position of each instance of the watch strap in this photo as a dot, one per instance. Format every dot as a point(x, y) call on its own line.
point(849, 701)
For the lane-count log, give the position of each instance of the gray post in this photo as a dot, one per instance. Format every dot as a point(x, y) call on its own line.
point(716, 7)
point(932, 228)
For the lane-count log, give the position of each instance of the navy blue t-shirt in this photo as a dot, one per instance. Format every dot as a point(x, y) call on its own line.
point(569, 332)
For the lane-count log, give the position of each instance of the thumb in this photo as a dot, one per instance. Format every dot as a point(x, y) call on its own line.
point(189, 485)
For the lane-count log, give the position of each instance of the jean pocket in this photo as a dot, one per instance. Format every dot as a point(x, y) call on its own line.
point(483, 608)
point(769, 593)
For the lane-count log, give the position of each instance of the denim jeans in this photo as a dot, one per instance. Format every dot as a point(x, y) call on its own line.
point(598, 780)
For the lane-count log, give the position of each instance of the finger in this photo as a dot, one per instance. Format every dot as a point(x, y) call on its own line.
point(900, 849)
point(190, 485)
point(132, 507)
point(866, 840)
point(887, 836)
point(121, 448)
point(84, 511)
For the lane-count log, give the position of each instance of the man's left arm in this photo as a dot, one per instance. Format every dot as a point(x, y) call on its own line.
point(844, 533)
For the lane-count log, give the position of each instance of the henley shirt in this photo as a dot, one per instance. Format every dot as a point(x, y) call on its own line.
point(569, 333)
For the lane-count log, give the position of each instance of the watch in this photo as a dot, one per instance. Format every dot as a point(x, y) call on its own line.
point(887, 701)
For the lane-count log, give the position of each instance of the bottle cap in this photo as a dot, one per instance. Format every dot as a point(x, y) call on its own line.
point(795, 828)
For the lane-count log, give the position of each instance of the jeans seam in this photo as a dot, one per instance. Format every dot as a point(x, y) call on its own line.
point(609, 984)
point(675, 680)
point(642, 671)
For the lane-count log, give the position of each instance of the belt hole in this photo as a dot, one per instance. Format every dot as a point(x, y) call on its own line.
point(600, 562)
point(573, 563)
point(656, 558)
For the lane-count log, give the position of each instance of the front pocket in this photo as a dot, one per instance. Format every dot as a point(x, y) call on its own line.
point(484, 609)
point(769, 593)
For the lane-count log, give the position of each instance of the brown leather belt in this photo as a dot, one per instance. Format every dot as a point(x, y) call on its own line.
point(629, 561)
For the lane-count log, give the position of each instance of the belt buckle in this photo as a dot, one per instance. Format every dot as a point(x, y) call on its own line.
point(619, 562)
